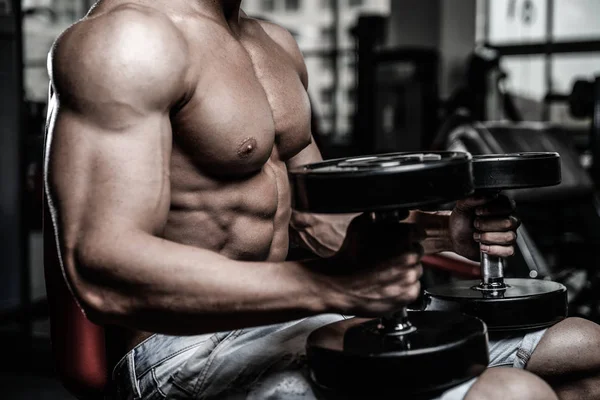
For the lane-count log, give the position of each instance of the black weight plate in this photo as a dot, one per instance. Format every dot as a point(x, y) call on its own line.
point(383, 182)
point(352, 359)
point(526, 303)
point(516, 171)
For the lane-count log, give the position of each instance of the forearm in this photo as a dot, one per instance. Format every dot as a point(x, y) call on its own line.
point(151, 284)
point(436, 228)
point(324, 234)
point(321, 234)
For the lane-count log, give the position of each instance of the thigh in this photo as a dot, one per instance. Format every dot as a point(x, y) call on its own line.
point(269, 358)
point(458, 392)
point(570, 347)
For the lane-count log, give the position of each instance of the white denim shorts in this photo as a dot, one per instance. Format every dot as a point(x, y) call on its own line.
point(265, 362)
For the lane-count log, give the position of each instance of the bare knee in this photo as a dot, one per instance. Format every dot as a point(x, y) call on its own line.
point(510, 383)
point(569, 347)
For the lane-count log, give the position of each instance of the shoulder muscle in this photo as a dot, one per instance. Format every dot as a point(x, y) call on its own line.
point(132, 56)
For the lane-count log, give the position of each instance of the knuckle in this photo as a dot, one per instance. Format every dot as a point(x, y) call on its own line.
point(412, 258)
point(390, 292)
point(413, 291)
point(413, 275)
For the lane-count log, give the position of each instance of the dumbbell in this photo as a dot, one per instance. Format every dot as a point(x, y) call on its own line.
point(506, 304)
point(407, 353)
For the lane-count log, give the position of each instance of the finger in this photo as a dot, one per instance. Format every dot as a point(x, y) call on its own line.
point(399, 266)
point(403, 279)
point(399, 273)
point(499, 251)
point(475, 201)
point(405, 257)
point(500, 208)
point(412, 293)
point(400, 295)
point(411, 276)
point(495, 238)
point(511, 223)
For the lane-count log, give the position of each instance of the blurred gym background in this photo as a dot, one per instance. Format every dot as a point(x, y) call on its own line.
point(483, 76)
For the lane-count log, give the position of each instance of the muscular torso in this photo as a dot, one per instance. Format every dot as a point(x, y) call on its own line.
point(247, 113)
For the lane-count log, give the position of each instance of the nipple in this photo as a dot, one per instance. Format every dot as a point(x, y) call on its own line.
point(247, 148)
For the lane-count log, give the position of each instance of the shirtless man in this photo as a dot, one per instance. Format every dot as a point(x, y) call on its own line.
point(171, 128)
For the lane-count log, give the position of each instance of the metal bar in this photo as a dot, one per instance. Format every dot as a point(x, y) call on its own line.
point(406, 54)
point(334, 64)
point(556, 98)
point(535, 261)
point(14, 147)
point(26, 323)
point(486, 26)
point(548, 57)
point(364, 125)
point(581, 46)
point(492, 269)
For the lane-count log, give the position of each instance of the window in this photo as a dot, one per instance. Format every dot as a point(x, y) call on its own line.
point(355, 3)
point(327, 95)
point(268, 5)
point(516, 21)
point(574, 20)
point(327, 63)
point(327, 33)
point(292, 5)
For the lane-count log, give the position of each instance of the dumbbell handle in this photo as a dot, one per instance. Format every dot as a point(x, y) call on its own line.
point(492, 268)
point(395, 323)
point(492, 272)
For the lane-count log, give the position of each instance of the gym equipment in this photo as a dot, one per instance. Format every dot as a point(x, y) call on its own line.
point(506, 304)
point(584, 102)
point(15, 291)
point(397, 93)
point(409, 352)
point(483, 74)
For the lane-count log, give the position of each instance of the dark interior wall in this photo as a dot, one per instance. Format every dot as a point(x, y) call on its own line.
point(11, 255)
point(457, 38)
point(448, 26)
point(414, 23)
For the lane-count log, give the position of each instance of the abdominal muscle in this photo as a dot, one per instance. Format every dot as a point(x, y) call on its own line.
point(243, 219)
